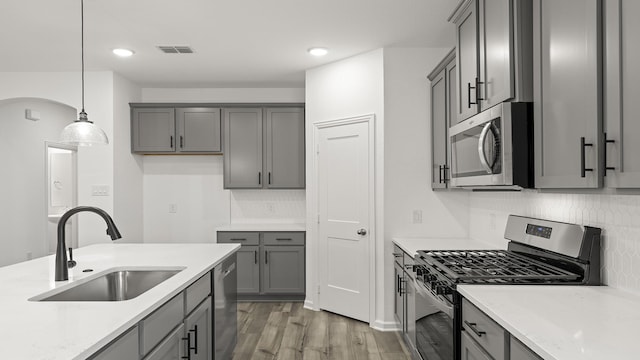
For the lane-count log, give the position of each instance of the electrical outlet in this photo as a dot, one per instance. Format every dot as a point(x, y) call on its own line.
point(173, 208)
point(417, 216)
point(100, 190)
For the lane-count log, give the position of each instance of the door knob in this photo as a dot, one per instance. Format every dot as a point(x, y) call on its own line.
point(361, 232)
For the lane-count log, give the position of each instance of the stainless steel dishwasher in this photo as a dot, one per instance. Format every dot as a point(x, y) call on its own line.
point(225, 332)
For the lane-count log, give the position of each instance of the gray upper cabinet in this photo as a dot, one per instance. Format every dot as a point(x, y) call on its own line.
point(620, 143)
point(567, 93)
point(153, 130)
point(198, 129)
point(284, 155)
point(494, 50)
point(264, 148)
point(441, 105)
point(175, 130)
point(467, 61)
point(243, 148)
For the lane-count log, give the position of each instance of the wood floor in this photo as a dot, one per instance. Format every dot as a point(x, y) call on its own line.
point(288, 331)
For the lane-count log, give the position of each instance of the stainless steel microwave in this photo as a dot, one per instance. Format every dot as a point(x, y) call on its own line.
point(493, 150)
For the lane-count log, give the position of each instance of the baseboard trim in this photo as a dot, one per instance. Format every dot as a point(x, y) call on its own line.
point(308, 304)
point(385, 325)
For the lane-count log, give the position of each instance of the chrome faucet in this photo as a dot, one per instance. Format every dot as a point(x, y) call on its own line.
point(62, 272)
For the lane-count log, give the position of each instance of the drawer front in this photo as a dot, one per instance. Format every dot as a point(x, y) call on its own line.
point(481, 328)
point(198, 291)
point(160, 323)
point(283, 238)
point(398, 254)
point(243, 238)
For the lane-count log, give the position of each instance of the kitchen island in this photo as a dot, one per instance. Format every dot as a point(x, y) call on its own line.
point(78, 329)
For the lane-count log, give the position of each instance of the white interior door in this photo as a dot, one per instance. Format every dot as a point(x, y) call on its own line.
point(61, 189)
point(344, 202)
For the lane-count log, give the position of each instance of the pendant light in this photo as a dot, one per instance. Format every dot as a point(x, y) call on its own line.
point(83, 132)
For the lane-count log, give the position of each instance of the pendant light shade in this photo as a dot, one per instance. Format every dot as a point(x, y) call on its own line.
point(83, 132)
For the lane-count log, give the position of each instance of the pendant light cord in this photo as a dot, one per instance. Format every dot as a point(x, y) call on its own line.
point(82, 46)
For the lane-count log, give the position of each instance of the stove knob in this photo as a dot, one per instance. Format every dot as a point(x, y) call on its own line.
point(431, 277)
point(443, 290)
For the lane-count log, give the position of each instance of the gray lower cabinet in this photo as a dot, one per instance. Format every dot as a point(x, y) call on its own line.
point(186, 326)
point(567, 93)
point(125, 347)
point(470, 350)
point(171, 348)
point(168, 130)
point(264, 148)
point(283, 265)
point(621, 128)
point(520, 352)
point(441, 104)
point(271, 265)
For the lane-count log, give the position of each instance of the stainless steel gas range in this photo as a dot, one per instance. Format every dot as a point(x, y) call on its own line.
point(539, 252)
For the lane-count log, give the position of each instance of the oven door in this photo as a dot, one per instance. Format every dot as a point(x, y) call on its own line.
point(434, 325)
point(481, 150)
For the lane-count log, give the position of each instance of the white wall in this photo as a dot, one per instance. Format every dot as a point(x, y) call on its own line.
point(127, 174)
point(95, 164)
point(407, 151)
point(347, 88)
point(23, 214)
point(617, 215)
point(195, 183)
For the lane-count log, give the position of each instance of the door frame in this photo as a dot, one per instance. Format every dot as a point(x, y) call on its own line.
point(47, 191)
point(314, 228)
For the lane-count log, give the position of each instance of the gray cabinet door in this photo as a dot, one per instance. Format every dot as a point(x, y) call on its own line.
point(439, 107)
point(243, 148)
point(284, 153)
point(199, 331)
point(198, 129)
point(153, 130)
point(467, 62)
point(621, 92)
point(283, 270)
point(171, 348)
point(126, 347)
point(471, 350)
point(451, 111)
point(248, 270)
point(519, 351)
point(567, 93)
point(496, 49)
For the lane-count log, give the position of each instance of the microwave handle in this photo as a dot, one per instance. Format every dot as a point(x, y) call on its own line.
point(483, 156)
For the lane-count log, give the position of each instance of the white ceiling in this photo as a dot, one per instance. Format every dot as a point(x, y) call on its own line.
point(237, 43)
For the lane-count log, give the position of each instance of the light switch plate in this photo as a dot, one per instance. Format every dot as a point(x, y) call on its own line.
point(100, 190)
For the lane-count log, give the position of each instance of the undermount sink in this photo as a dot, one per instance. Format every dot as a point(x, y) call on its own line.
point(117, 285)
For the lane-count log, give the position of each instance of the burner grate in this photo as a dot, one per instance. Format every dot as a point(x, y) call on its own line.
point(494, 265)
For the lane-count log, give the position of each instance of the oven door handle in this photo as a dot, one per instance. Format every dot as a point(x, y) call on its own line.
point(437, 302)
point(481, 153)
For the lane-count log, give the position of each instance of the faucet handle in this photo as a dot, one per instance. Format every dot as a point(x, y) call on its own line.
point(71, 263)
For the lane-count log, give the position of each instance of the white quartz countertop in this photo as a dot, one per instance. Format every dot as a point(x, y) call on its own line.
point(412, 245)
point(564, 322)
point(263, 227)
point(75, 330)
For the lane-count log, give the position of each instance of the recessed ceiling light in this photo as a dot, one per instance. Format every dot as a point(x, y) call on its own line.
point(123, 52)
point(318, 51)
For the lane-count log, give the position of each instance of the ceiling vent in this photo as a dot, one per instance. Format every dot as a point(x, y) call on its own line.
point(176, 49)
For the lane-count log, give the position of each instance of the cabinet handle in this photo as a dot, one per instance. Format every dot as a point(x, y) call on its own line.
point(607, 141)
point(398, 282)
point(269, 177)
point(469, 102)
point(444, 173)
point(583, 168)
point(259, 178)
point(255, 256)
point(395, 255)
point(181, 141)
point(284, 239)
point(238, 239)
point(171, 141)
point(403, 290)
point(195, 339)
point(440, 174)
point(266, 257)
point(473, 328)
point(187, 347)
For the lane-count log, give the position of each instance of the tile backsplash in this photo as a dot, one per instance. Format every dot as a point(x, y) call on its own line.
point(617, 215)
point(268, 206)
